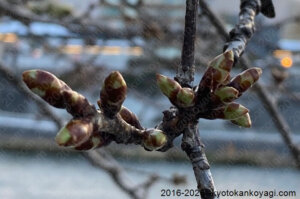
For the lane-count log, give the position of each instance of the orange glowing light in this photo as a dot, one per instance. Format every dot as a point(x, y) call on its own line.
point(286, 62)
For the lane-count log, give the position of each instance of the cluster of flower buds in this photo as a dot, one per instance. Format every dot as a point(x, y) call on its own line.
point(178, 96)
point(89, 128)
point(214, 96)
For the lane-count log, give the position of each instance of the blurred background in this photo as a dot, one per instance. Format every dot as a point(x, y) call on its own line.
point(83, 41)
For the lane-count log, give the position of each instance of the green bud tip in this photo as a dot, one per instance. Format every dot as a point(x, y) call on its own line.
point(74, 133)
point(227, 94)
point(223, 61)
point(243, 121)
point(246, 79)
point(221, 66)
point(169, 87)
point(114, 81)
point(185, 97)
point(154, 139)
point(234, 110)
point(63, 136)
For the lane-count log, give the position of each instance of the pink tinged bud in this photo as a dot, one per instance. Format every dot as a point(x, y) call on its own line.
point(113, 93)
point(46, 85)
point(246, 79)
point(227, 94)
point(130, 117)
point(233, 111)
point(185, 97)
point(154, 139)
point(169, 87)
point(243, 121)
point(74, 133)
point(77, 105)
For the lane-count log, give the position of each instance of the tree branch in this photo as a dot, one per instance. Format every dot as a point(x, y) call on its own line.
point(185, 73)
point(99, 158)
point(279, 121)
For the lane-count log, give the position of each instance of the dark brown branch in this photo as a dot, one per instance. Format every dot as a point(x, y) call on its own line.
point(188, 122)
point(185, 73)
point(279, 121)
point(243, 31)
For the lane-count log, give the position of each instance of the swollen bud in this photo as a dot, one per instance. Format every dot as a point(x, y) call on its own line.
point(46, 85)
point(74, 133)
point(222, 65)
point(77, 105)
point(113, 94)
point(185, 97)
point(233, 111)
point(130, 117)
point(154, 139)
point(227, 94)
point(169, 87)
point(217, 72)
point(243, 121)
point(246, 79)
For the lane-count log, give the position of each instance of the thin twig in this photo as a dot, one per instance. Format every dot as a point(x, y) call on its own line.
point(185, 73)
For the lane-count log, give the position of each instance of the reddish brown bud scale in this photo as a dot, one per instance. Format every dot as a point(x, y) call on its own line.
point(243, 121)
point(185, 98)
point(77, 105)
point(246, 79)
point(217, 72)
point(226, 94)
point(75, 133)
point(207, 78)
point(228, 112)
point(130, 117)
point(234, 110)
point(223, 64)
point(46, 85)
point(113, 94)
point(154, 139)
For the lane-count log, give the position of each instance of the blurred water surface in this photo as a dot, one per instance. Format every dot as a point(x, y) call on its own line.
point(60, 176)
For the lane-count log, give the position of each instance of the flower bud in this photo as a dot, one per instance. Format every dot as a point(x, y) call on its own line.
point(246, 79)
point(227, 94)
point(169, 87)
point(74, 133)
point(154, 139)
point(234, 110)
point(222, 65)
point(217, 72)
point(243, 121)
point(46, 85)
point(130, 117)
point(77, 105)
point(185, 97)
point(113, 94)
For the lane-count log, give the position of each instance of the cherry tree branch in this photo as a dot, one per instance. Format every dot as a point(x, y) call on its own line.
point(100, 158)
point(278, 119)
